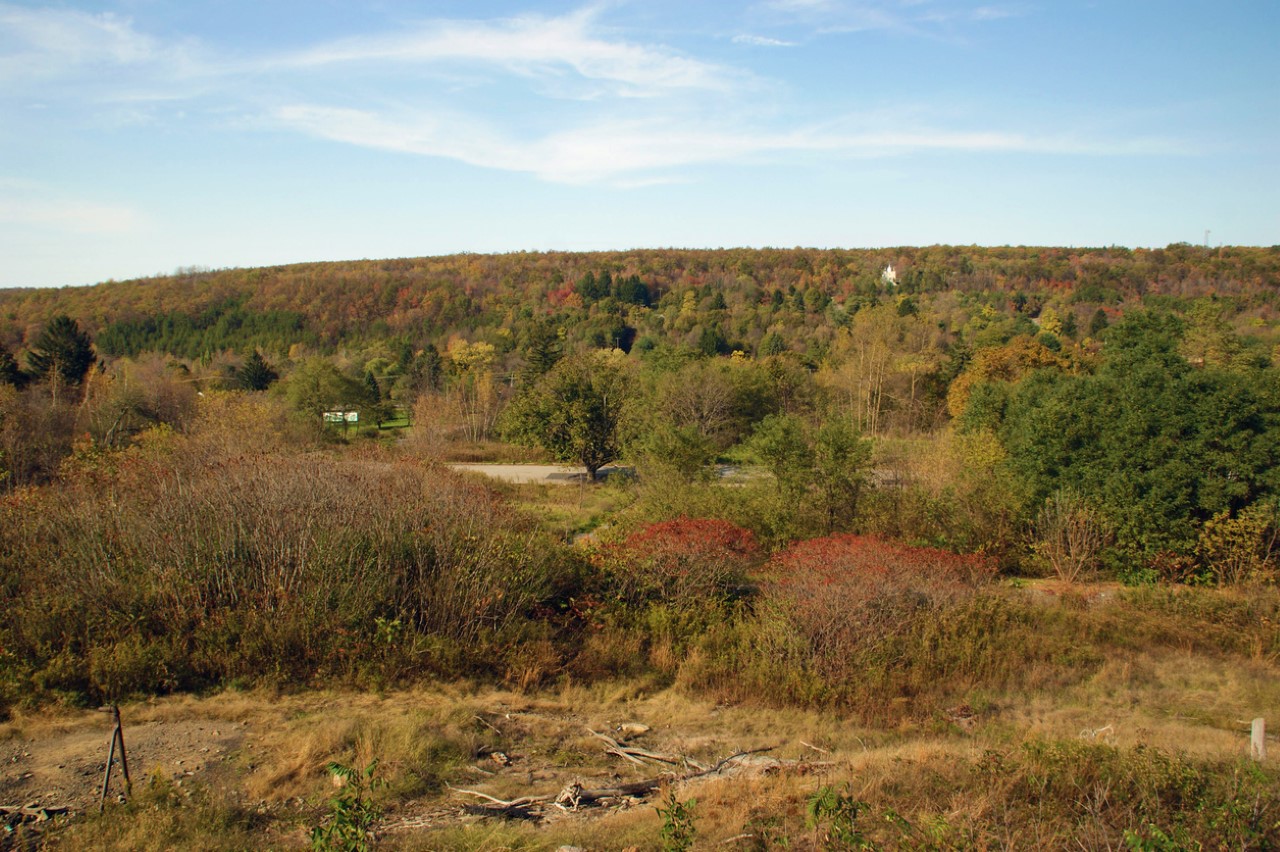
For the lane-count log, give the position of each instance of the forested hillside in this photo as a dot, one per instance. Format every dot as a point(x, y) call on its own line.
point(713, 300)
point(1138, 384)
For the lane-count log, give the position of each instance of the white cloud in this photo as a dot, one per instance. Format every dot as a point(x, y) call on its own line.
point(66, 38)
point(915, 17)
point(62, 44)
point(81, 57)
point(531, 46)
point(762, 41)
point(992, 13)
point(804, 5)
point(635, 152)
point(695, 112)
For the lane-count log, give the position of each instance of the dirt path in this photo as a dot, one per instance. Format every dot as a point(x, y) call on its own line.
point(63, 765)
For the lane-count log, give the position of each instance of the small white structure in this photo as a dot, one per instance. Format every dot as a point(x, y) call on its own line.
point(889, 276)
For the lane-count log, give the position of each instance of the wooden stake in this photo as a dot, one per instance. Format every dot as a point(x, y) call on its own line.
point(1258, 741)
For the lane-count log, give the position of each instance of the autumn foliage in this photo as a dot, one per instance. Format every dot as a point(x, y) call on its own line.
point(684, 562)
point(841, 588)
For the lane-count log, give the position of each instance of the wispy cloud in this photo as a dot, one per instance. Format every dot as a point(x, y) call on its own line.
point(529, 46)
point(48, 43)
point(691, 111)
point(922, 18)
point(763, 41)
point(70, 38)
point(632, 152)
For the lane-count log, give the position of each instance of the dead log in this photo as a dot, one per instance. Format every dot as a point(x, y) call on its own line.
point(575, 795)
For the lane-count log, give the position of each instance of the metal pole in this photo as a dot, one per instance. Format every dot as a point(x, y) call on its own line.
point(106, 777)
point(124, 756)
point(117, 736)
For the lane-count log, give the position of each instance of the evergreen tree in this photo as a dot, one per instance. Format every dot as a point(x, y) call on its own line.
point(376, 409)
point(429, 367)
point(587, 288)
point(542, 349)
point(372, 390)
point(1099, 323)
point(255, 374)
point(632, 291)
point(711, 341)
point(62, 354)
point(772, 344)
point(10, 372)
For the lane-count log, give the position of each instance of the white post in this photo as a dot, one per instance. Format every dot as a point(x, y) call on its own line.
point(1258, 742)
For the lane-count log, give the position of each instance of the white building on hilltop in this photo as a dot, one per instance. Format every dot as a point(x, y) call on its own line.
point(889, 276)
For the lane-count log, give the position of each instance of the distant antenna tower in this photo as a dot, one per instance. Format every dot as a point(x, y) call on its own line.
point(1206, 237)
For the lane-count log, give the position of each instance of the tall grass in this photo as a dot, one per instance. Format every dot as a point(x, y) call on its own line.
point(166, 572)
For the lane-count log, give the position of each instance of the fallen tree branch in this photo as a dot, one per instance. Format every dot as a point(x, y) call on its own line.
point(574, 796)
point(635, 754)
point(483, 721)
point(14, 815)
point(479, 795)
point(526, 807)
point(734, 756)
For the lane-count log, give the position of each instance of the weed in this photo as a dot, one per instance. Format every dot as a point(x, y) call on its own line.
point(1154, 839)
point(352, 813)
point(678, 829)
point(833, 816)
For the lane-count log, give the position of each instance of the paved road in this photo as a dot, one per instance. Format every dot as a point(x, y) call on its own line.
point(555, 474)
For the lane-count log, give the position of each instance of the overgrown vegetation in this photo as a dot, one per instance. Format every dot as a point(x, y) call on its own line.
point(844, 494)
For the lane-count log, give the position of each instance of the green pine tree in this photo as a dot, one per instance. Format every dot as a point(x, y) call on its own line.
point(255, 374)
point(62, 354)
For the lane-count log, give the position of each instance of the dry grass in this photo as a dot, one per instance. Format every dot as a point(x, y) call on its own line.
point(934, 772)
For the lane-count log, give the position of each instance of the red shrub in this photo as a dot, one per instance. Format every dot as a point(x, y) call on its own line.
point(837, 588)
point(682, 561)
point(847, 557)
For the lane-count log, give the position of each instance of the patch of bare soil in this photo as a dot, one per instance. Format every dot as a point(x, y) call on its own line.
point(61, 764)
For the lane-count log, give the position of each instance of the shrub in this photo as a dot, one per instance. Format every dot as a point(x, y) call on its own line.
point(884, 630)
point(348, 827)
point(679, 827)
point(850, 598)
point(1070, 535)
point(158, 571)
point(841, 585)
point(685, 563)
point(1242, 548)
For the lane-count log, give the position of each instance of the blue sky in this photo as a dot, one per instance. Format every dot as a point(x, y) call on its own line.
point(139, 136)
